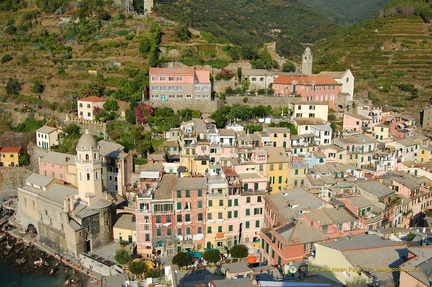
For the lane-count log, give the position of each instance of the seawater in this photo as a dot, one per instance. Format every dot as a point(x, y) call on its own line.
point(11, 276)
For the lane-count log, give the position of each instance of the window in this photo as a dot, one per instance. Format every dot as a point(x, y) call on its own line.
point(188, 230)
point(200, 217)
point(280, 166)
point(235, 213)
point(259, 199)
point(296, 171)
point(154, 78)
point(236, 202)
point(179, 88)
point(170, 78)
point(280, 179)
point(169, 231)
point(159, 232)
point(179, 218)
point(154, 88)
point(247, 224)
point(247, 211)
point(229, 214)
point(209, 230)
point(168, 218)
point(219, 228)
point(171, 88)
point(229, 202)
point(248, 199)
point(210, 203)
point(179, 194)
point(187, 193)
point(199, 230)
point(221, 203)
point(179, 205)
point(163, 88)
point(200, 205)
point(147, 237)
point(187, 217)
point(179, 231)
point(209, 216)
point(199, 192)
point(271, 167)
point(163, 78)
point(220, 215)
point(230, 228)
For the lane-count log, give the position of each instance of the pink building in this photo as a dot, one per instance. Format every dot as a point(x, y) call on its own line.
point(355, 123)
point(177, 84)
point(190, 204)
point(321, 89)
point(59, 165)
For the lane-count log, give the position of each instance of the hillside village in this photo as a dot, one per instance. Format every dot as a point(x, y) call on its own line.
point(316, 204)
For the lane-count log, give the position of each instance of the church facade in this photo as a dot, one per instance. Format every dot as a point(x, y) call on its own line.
point(70, 219)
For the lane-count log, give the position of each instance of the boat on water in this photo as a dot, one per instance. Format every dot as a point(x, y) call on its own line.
point(9, 247)
point(21, 261)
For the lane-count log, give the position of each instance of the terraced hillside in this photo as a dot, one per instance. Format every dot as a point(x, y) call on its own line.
point(390, 57)
point(41, 53)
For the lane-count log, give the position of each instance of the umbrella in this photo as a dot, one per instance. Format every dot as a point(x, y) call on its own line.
point(251, 259)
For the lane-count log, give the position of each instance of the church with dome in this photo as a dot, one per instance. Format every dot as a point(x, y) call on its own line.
point(71, 219)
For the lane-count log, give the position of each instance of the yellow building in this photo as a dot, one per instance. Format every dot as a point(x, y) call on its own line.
point(425, 154)
point(347, 260)
point(311, 109)
point(381, 131)
point(9, 156)
point(216, 204)
point(125, 229)
point(276, 169)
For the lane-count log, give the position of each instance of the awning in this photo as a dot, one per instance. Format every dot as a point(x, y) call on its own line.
point(149, 174)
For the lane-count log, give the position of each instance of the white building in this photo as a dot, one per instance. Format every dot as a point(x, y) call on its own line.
point(47, 137)
point(87, 105)
point(345, 78)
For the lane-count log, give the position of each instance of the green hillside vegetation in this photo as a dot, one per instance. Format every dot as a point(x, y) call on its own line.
point(347, 11)
point(252, 22)
point(391, 56)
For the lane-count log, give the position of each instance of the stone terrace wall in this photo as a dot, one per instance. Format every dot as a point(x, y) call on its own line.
point(205, 107)
point(274, 102)
point(11, 179)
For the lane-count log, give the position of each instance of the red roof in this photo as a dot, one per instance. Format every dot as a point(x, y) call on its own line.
point(10, 149)
point(305, 80)
point(92, 99)
point(172, 71)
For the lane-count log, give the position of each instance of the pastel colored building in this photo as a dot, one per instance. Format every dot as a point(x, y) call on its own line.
point(310, 109)
point(280, 137)
point(87, 106)
point(416, 271)
point(425, 154)
point(46, 137)
point(9, 156)
point(359, 259)
point(59, 165)
point(319, 89)
point(355, 123)
point(381, 131)
point(346, 79)
point(190, 207)
point(216, 211)
point(179, 84)
point(276, 169)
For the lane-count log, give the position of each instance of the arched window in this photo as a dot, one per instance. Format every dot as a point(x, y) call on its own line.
point(96, 175)
point(87, 157)
point(88, 176)
point(94, 156)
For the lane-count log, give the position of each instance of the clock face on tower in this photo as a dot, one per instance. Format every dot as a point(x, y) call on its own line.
point(87, 168)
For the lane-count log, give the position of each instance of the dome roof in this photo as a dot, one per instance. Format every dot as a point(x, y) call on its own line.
point(308, 50)
point(87, 142)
